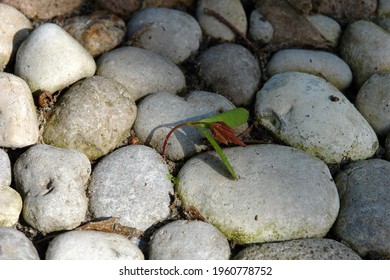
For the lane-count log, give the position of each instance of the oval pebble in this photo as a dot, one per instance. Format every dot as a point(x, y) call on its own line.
point(153, 123)
point(260, 29)
point(14, 28)
point(273, 199)
point(365, 47)
point(308, 113)
point(319, 63)
point(328, 27)
point(141, 71)
point(97, 33)
point(231, 70)
point(302, 249)
point(18, 117)
point(53, 184)
point(232, 11)
point(10, 206)
point(171, 33)
point(373, 102)
point(363, 222)
point(94, 117)
point(131, 184)
point(16, 246)
point(188, 240)
point(51, 59)
point(92, 245)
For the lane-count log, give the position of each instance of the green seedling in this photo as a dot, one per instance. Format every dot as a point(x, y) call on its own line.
point(221, 130)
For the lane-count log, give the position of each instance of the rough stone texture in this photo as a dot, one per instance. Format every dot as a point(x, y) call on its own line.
point(302, 249)
point(171, 33)
point(97, 33)
point(188, 240)
point(44, 9)
point(52, 182)
point(328, 27)
point(15, 245)
point(363, 221)
point(51, 59)
point(94, 117)
point(308, 113)
point(123, 8)
point(319, 63)
point(5, 169)
point(92, 245)
point(18, 118)
point(231, 70)
point(281, 194)
point(141, 71)
point(231, 10)
point(373, 102)
point(153, 123)
point(131, 184)
point(14, 29)
point(260, 29)
point(10, 206)
point(366, 48)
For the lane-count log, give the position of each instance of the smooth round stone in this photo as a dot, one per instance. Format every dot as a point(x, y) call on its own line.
point(16, 246)
point(366, 48)
point(94, 117)
point(260, 29)
point(51, 59)
point(232, 11)
point(131, 183)
point(328, 27)
point(155, 120)
point(363, 222)
point(373, 102)
point(18, 117)
point(92, 245)
point(387, 147)
point(188, 240)
point(141, 71)
point(97, 33)
point(45, 9)
point(308, 113)
point(10, 206)
point(5, 169)
point(171, 33)
point(319, 63)
point(14, 29)
point(231, 70)
point(282, 193)
point(53, 182)
point(302, 249)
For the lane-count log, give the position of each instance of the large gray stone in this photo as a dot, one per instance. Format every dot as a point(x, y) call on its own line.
point(188, 240)
point(364, 222)
point(282, 193)
point(94, 117)
point(131, 183)
point(308, 113)
point(15, 245)
point(53, 182)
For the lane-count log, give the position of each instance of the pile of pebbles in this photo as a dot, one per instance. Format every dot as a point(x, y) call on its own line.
point(90, 89)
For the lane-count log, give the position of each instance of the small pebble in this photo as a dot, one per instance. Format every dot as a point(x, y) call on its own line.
point(188, 240)
point(260, 29)
point(52, 182)
point(328, 27)
point(141, 71)
point(231, 70)
point(171, 33)
point(92, 245)
point(10, 206)
point(16, 246)
point(131, 183)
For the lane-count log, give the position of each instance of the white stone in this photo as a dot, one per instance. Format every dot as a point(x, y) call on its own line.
point(328, 27)
point(171, 33)
point(188, 240)
point(10, 206)
point(14, 29)
point(92, 245)
point(141, 71)
point(260, 29)
point(5, 169)
point(18, 117)
point(282, 193)
point(308, 113)
point(15, 245)
point(53, 184)
point(319, 63)
point(131, 183)
point(51, 59)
